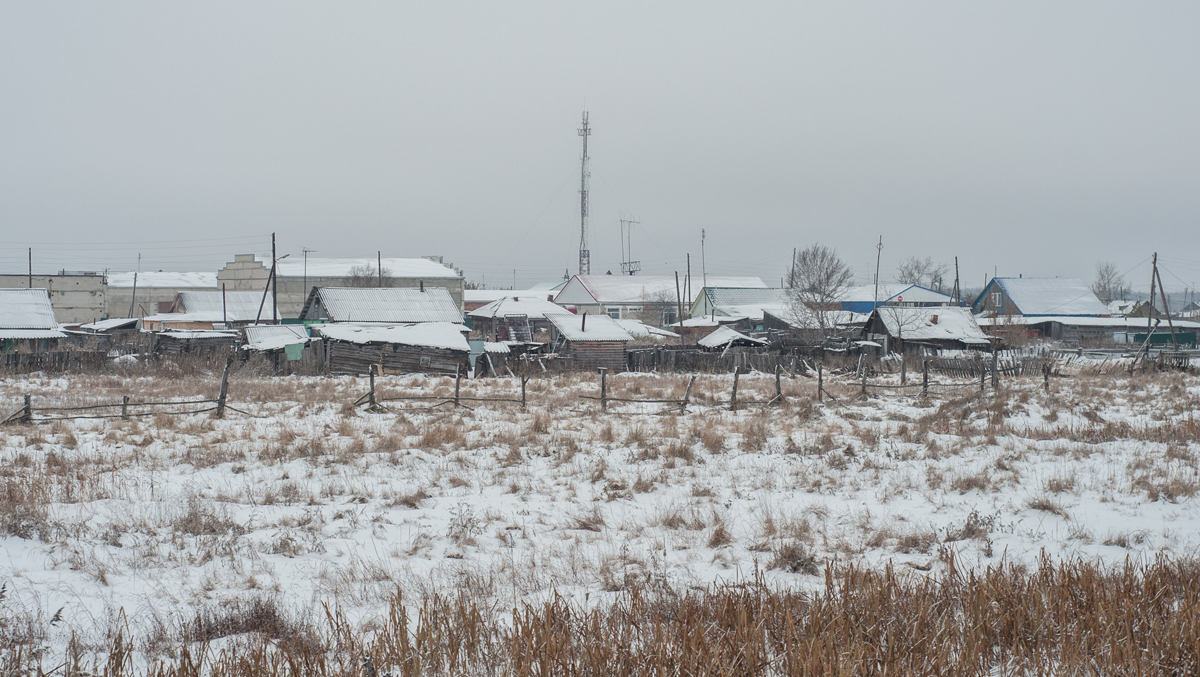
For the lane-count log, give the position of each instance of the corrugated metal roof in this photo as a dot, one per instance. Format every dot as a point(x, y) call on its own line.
point(31, 334)
point(443, 335)
point(26, 309)
point(725, 335)
point(747, 302)
point(240, 306)
point(596, 328)
point(386, 304)
point(274, 336)
point(1051, 296)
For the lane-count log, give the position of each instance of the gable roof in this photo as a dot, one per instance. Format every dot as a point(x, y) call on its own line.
point(725, 335)
point(535, 307)
point(581, 328)
point(323, 267)
point(275, 336)
point(1048, 296)
point(210, 306)
point(381, 304)
point(946, 323)
point(889, 293)
point(744, 301)
point(635, 289)
point(27, 309)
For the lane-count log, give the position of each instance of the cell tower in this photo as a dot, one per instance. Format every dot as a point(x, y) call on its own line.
point(585, 256)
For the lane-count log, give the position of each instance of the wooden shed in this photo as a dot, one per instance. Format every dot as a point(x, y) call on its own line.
point(429, 347)
point(27, 321)
point(592, 341)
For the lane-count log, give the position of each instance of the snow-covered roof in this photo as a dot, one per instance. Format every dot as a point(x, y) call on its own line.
point(154, 279)
point(580, 328)
point(535, 307)
point(489, 295)
point(746, 302)
point(215, 306)
point(445, 335)
point(639, 329)
point(945, 323)
point(26, 309)
point(323, 267)
point(496, 348)
point(275, 336)
point(395, 305)
point(808, 320)
point(110, 324)
point(627, 289)
point(708, 321)
point(724, 335)
point(1050, 296)
point(31, 334)
point(1078, 321)
point(890, 293)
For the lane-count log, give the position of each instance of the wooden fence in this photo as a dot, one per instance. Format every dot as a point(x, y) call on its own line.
point(659, 359)
point(57, 361)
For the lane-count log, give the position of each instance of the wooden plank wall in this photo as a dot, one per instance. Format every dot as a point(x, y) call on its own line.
point(353, 358)
point(592, 355)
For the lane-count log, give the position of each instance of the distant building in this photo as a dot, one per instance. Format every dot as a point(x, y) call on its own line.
point(740, 302)
point(75, 297)
point(430, 347)
point(297, 278)
point(154, 293)
point(496, 317)
point(864, 299)
point(1038, 296)
point(390, 305)
point(925, 330)
point(592, 341)
point(654, 299)
point(209, 310)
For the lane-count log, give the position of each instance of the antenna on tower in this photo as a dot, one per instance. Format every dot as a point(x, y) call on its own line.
point(585, 255)
point(628, 267)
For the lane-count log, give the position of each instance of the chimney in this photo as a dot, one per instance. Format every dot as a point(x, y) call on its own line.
point(583, 324)
point(933, 319)
point(422, 286)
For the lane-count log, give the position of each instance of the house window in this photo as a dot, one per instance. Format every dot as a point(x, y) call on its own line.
point(997, 300)
point(669, 316)
point(613, 312)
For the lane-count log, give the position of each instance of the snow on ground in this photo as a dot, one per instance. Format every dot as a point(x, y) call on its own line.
point(313, 500)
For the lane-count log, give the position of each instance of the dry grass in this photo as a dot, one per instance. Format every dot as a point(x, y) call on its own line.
point(1070, 618)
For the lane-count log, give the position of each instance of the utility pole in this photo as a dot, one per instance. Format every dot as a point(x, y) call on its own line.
point(585, 255)
point(274, 280)
point(957, 291)
point(878, 255)
point(792, 278)
point(378, 268)
point(703, 267)
point(31, 267)
point(306, 252)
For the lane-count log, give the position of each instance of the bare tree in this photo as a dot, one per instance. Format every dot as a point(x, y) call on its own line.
point(816, 283)
point(923, 272)
point(370, 276)
point(1109, 284)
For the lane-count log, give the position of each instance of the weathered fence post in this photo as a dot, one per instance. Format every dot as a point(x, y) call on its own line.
point(124, 406)
point(457, 383)
point(778, 387)
point(524, 380)
point(903, 366)
point(925, 377)
point(995, 372)
point(603, 388)
point(371, 392)
point(687, 395)
point(820, 380)
point(1046, 376)
point(27, 414)
point(733, 397)
point(224, 387)
point(864, 381)
point(982, 375)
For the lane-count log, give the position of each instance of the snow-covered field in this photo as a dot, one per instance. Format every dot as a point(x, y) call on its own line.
point(141, 525)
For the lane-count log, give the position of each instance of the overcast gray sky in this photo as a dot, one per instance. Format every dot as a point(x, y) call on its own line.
point(1025, 137)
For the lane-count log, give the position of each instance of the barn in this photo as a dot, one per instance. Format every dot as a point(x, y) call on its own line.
point(592, 341)
point(428, 347)
point(27, 321)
